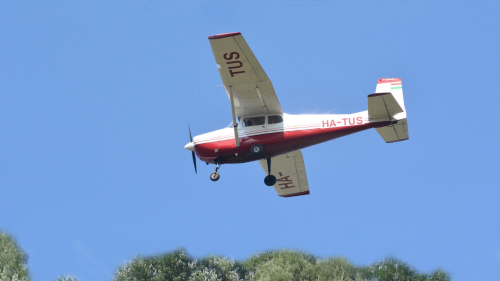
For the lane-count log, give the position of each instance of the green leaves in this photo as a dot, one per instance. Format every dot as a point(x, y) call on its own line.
point(178, 266)
point(284, 265)
point(336, 269)
point(174, 266)
point(391, 269)
point(66, 277)
point(12, 260)
point(281, 265)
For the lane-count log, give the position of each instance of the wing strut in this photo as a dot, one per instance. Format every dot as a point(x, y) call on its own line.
point(235, 125)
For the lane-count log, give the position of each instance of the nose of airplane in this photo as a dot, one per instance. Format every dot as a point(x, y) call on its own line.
point(189, 146)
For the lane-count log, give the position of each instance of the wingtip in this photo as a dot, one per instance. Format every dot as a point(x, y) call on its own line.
point(296, 194)
point(223, 35)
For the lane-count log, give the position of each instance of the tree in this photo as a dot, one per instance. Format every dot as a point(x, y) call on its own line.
point(174, 266)
point(391, 269)
point(284, 265)
point(281, 265)
point(217, 268)
point(338, 269)
point(66, 277)
point(439, 275)
point(12, 260)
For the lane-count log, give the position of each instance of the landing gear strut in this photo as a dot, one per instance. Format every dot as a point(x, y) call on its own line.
point(215, 175)
point(269, 180)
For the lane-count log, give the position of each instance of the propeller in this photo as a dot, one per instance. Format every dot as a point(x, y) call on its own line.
point(192, 152)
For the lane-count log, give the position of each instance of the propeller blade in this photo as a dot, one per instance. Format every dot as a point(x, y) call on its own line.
point(194, 156)
point(194, 162)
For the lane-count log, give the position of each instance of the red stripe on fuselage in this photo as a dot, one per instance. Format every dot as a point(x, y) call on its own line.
point(274, 143)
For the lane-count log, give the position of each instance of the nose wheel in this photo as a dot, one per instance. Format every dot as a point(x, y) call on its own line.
point(269, 180)
point(215, 175)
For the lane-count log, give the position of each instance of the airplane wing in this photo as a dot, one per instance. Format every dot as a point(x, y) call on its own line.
point(238, 67)
point(290, 172)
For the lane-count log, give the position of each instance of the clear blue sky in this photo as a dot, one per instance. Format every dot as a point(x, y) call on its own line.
point(96, 96)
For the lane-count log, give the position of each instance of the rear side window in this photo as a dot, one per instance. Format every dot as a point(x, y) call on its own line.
point(254, 121)
point(274, 119)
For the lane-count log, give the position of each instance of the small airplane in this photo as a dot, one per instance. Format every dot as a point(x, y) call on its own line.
point(260, 131)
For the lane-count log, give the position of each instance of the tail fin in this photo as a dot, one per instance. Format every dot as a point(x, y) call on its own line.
point(388, 104)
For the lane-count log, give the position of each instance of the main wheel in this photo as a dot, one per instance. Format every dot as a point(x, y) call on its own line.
point(256, 150)
point(270, 180)
point(214, 176)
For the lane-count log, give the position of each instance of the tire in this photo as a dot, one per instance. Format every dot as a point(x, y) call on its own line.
point(214, 176)
point(270, 180)
point(257, 150)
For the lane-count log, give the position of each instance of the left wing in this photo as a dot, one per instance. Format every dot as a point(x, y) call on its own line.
point(290, 173)
point(239, 69)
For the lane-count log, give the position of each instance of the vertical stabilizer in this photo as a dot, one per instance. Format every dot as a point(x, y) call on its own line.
point(395, 87)
point(388, 104)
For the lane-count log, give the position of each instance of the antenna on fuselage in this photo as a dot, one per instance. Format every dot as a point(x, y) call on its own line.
point(330, 110)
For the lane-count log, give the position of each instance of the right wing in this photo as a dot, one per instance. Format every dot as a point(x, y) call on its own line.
point(239, 68)
point(290, 173)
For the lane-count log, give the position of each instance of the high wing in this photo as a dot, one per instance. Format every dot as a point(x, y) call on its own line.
point(239, 69)
point(290, 172)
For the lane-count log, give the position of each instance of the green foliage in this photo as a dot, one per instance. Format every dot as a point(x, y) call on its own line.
point(439, 275)
point(285, 265)
point(281, 265)
point(12, 260)
point(175, 266)
point(217, 268)
point(178, 266)
point(338, 269)
point(392, 269)
point(66, 277)
point(291, 265)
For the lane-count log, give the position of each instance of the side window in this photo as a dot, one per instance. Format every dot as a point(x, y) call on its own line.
point(254, 121)
point(274, 119)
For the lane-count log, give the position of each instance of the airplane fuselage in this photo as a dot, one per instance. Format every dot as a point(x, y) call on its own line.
point(293, 133)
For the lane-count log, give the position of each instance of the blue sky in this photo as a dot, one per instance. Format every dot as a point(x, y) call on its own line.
point(95, 100)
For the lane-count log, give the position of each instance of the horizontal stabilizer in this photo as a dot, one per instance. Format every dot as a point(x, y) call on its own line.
point(395, 132)
point(382, 106)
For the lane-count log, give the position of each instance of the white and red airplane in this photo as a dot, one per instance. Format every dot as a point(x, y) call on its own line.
point(260, 131)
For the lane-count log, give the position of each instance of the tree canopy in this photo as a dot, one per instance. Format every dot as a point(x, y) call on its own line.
point(12, 260)
point(280, 265)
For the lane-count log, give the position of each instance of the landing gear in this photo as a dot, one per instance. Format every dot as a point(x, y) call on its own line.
point(215, 175)
point(269, 180)
point(256, 150)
